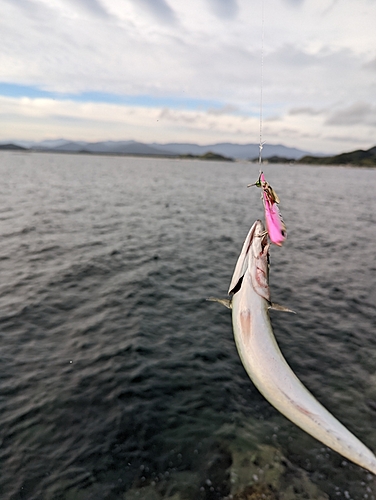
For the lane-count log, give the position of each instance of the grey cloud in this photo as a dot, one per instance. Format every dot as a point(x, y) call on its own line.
point(346, 138)
point(295, 3)
point(307, 135)
point(32, 7)
point(228, 109)
point(273, 118)
point(224, 9)
point(322, 72)
point(371, 65)
point(291, 55)
point(92, 6)
point(305, 111)
point(357, 113)
point(330, 7)
point(23, 4)
point(159, 9)
point(178, 116)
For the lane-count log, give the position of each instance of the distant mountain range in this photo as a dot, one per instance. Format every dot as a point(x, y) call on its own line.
point(274, 153)
point(363, 158)
point(226, 149)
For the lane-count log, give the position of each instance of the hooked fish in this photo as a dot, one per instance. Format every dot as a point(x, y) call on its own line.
point(264, 362)
point(274, 222)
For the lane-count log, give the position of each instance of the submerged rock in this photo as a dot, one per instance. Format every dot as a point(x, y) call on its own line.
point(256, 492)
point(146, 493)
point(265, 473)
point(232, 465)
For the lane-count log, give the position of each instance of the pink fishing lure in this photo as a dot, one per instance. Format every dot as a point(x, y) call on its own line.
point(273, 218)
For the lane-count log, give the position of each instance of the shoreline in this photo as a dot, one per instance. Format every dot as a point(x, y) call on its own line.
point(206, 157)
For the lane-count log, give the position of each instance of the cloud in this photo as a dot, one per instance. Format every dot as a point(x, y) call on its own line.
point(350, 139)
point(227, 109)
point(295, 3)
point(93, 6)
point(294, 56)
point(37, 7)
point(305, 111)
point(41, 118)
point(317, 64)
point(159, 9)
point(370, 65)
point(357, 113)
point(224, 9)
point(27, 117)
point(330, 7)
point(32, 8)
point(23, 4)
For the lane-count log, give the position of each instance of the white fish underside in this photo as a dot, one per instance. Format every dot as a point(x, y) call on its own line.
point(265, 363)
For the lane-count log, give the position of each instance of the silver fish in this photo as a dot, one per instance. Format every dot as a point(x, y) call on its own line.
point(264, 361)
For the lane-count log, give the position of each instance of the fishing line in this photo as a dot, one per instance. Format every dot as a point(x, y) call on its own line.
point(261, 144)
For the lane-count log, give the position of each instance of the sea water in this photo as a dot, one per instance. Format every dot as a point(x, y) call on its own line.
point(119, 380)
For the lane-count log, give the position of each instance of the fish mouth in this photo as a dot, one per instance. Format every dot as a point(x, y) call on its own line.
point(259, 262)
point(264, 240)
point(260, 242)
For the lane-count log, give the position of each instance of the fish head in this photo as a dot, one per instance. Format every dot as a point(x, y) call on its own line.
point(258, 261)
point(253, 262)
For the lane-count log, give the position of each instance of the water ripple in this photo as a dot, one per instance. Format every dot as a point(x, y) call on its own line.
point(116, 373)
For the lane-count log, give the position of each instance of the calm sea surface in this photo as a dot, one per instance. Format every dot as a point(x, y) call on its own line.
point(118, 380)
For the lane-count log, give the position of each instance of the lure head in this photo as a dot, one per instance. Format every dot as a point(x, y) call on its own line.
point(267, 189)
point(273, 218)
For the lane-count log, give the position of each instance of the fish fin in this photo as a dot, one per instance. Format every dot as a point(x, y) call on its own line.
point(278, 307)
point(224, 302)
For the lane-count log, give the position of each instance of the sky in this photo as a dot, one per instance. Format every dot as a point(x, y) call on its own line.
point(190, 71)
